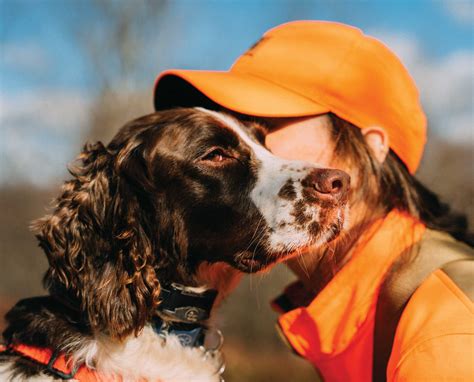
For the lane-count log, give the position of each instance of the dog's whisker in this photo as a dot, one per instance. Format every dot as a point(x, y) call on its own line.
point(255, 236)
point(302, 262)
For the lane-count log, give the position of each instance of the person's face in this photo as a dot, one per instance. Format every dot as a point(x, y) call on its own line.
point(307, 138)
point(311, 139)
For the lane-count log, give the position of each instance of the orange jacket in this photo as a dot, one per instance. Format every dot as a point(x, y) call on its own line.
point(435, 336)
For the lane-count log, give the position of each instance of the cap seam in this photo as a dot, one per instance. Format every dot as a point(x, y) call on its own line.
point(343, 59)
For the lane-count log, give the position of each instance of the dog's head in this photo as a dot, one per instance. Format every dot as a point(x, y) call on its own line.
point(174, 190)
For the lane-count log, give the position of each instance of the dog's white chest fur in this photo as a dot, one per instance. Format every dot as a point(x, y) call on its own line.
point(147, 357)
point(143, 358)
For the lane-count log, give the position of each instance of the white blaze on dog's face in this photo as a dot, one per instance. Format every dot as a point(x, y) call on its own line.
point(301, 203)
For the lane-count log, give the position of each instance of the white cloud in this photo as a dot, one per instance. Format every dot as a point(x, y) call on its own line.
point(446, 86)
point(40, 132)
point(461, 10)
point(27, 56)
point(57, 110)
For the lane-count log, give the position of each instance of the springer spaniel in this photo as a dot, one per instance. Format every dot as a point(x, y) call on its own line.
point(146, 234)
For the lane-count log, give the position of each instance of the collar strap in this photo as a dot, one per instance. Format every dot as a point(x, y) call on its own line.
point(189, 335)
point(185, 305)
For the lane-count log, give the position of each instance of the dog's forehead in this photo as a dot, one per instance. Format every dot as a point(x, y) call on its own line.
point(238, 129)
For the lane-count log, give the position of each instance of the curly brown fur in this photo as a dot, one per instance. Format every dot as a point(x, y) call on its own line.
point(98, 243)
point(179, 196)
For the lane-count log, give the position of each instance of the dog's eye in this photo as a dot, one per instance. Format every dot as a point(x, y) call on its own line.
point(217, 156)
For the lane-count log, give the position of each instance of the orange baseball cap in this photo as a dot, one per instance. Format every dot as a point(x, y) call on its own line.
point(305, 68)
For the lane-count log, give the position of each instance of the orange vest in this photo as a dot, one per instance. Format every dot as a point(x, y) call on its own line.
point(435, 336)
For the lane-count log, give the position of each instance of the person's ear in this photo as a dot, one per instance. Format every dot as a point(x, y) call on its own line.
point(378, 141)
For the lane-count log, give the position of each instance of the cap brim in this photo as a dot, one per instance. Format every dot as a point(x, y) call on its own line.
point(239, 92)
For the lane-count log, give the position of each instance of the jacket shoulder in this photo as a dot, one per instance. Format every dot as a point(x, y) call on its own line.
point(444, 358)
point(436, 325)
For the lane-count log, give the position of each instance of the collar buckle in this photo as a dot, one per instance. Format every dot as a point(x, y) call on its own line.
point(50, 367)
point(185, 305)
point(189, 335)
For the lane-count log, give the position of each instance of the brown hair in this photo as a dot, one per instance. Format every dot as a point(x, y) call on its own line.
point(389, 185)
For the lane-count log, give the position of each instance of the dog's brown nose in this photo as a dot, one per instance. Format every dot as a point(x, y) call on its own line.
point(330, 183)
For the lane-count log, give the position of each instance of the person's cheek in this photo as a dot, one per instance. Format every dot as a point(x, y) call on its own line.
point(300, 147)
point(308, 139)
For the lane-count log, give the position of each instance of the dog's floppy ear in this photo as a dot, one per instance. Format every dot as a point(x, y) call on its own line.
point(98, 241)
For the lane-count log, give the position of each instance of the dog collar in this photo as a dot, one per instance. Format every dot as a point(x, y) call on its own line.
point(182, 313)
point(182, 304)
point(190, 335)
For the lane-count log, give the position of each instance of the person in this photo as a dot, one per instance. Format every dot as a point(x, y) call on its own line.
point(391, 299)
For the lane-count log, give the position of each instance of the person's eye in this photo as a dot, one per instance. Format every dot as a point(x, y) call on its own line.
point(216, 156)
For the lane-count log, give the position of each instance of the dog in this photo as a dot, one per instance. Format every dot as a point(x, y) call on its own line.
point(151, 232)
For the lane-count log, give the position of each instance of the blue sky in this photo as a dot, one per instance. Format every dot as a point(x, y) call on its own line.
point(212, 33)
point(41, 57)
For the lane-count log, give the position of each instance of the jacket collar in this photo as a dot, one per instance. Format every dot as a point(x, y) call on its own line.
point(333, 318)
